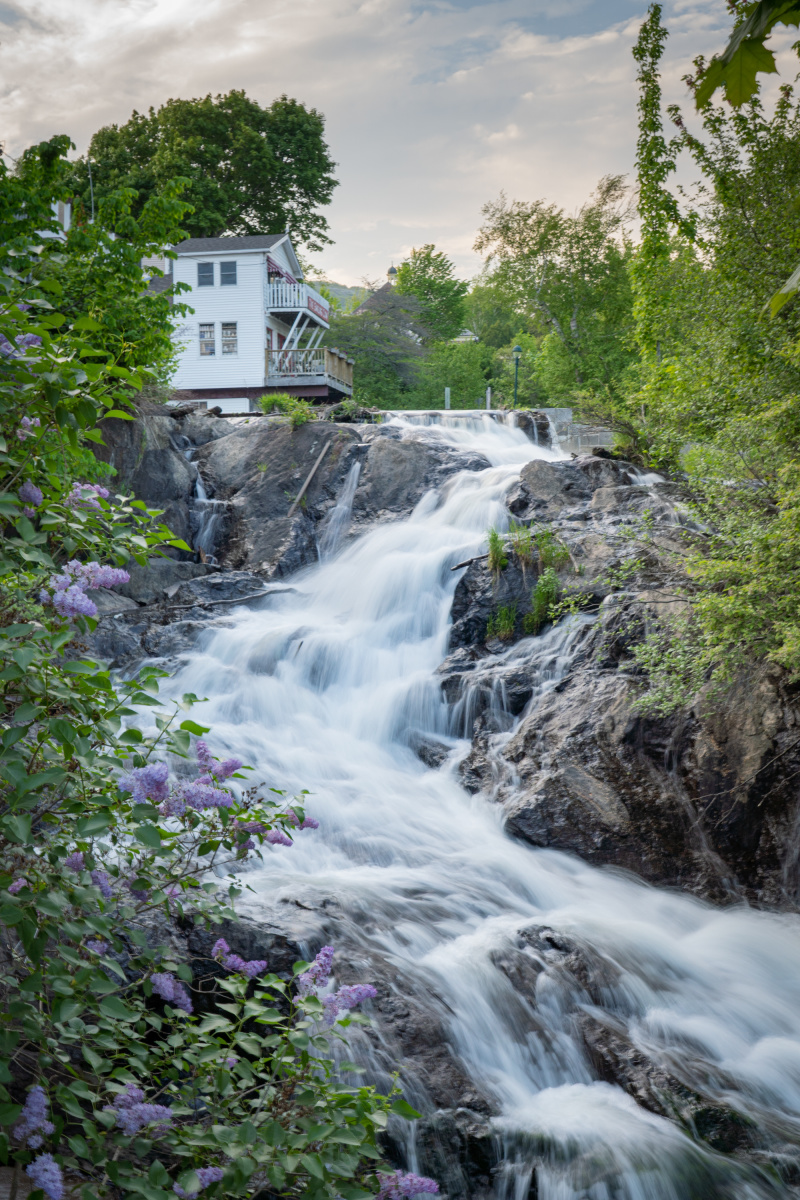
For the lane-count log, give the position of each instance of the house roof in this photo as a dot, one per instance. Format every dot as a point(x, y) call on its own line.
point(255, 241)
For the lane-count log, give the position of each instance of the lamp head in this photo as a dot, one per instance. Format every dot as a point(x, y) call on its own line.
point(517, 351)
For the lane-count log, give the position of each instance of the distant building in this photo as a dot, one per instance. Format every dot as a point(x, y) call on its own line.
point(256, 326)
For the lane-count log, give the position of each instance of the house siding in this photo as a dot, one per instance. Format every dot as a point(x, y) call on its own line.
point(242, 303)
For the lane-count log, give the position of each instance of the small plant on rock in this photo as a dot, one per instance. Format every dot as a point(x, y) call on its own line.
point(298, 411)
point(543, 597)
point(501, 624)
point(498, 560)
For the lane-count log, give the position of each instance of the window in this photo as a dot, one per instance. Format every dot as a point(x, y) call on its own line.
point(229, 339)
point(205, 274)
point(208, 344)
point(227, 274)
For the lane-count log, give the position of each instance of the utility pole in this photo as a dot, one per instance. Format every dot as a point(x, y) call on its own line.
point(488, 399)
point(447, 397)
point(516, 352)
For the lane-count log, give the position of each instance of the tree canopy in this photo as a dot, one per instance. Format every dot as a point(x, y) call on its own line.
point(249, 169)
point(429, 275)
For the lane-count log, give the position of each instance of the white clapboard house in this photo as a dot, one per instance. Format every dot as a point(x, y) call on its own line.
point(256, 326)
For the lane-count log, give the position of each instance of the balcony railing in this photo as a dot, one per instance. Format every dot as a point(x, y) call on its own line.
point(294, 297)
point(329, 365)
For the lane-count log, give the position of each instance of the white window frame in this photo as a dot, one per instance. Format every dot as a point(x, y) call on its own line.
point(230, 262)
point(213, 276)
point(230, 340)
point(205, 342)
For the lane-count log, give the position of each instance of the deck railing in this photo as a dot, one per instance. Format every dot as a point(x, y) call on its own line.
point(328, 364)
point(294, 297)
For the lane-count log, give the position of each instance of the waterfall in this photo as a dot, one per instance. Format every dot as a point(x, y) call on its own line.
point(338, 520)
point(318, 689)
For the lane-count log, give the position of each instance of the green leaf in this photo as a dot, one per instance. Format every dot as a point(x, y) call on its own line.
point(402, 1108)
point(113, 1007)
point(193, 727)
point(148, 835)
point(87, 827)
point(18, 827)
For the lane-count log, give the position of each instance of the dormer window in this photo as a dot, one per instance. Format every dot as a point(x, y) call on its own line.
point(205, 274)
point(227, 274)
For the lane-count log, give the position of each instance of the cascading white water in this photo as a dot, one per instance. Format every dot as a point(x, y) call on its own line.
point(319, 689)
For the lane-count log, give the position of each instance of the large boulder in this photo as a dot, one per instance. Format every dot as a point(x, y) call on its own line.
point(259, 469)
point(398, 472)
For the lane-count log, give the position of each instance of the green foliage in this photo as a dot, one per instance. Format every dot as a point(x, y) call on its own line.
point(490, 314)
point(746, 56)
point(298, 411)
point(464, 367)
point(543, 597)
point(384, 338)
point(93, 865)
point(250, 169)
point(569, 274)
point(498, 559)
point(521, 540)
point(502, 623)
point(428, 274)
point(675, 663)
point(551, 550)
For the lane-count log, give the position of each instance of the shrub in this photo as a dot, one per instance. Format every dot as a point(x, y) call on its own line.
point(106, 1074)
point(521, 538)
point(552, 551)
point(298, 411)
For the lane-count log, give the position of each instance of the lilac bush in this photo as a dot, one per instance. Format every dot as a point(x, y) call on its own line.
point(45, 1173)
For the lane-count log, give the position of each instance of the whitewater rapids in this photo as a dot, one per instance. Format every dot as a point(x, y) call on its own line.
point(319, 688)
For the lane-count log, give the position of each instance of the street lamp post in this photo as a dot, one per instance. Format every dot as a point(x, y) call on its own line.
point(516, 352)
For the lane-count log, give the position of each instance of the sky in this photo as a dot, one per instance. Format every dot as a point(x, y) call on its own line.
point(432, 107)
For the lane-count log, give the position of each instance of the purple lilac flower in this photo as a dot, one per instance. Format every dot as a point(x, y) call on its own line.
point(73, 602)
point(346, 998)
point(45, 1173)
point(132, 1114)
point(25, 427)
point(146, 783)
point(96, 946)
point(29, 493)
point(231, 1061)
point(229, 767)
point(276, 837)
point(318, 973)
point(74, 861)
point(204, 758)
point(403, 1184)
point(30, 513)
point(85, 495)
point(18, 885)
point(206, 1175)
point(32, 1121)
point(169, 989)
point(234, 962)
point(200, 795)
point(101, 882)
point(306, 823)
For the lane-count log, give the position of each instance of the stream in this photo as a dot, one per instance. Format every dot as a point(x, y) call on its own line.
point(325, 687)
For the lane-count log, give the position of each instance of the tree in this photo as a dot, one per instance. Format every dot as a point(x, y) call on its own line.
point(384, 336)
point(250, 169)
point(490, 314)
point(570, 274)
point(429, 275)
point(465, 367)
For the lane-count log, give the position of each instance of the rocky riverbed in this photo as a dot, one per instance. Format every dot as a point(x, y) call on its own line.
point(543, 728)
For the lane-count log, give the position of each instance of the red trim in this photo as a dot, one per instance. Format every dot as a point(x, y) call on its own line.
point(276, 268)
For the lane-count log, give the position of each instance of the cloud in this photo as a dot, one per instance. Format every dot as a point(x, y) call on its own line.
point(432, 106)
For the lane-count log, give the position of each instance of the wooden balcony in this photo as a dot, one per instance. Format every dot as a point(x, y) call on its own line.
point(319, 368)
point(296, 298)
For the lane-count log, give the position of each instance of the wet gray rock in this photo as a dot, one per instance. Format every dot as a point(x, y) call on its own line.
point(147, 460)
point(397, 472)
point(479, 595)
point(535, 426)
point(259, 469)
point(201, 428)
point(150, 583)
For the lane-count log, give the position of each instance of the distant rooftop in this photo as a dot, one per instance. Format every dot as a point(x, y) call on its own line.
point(255, 241)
